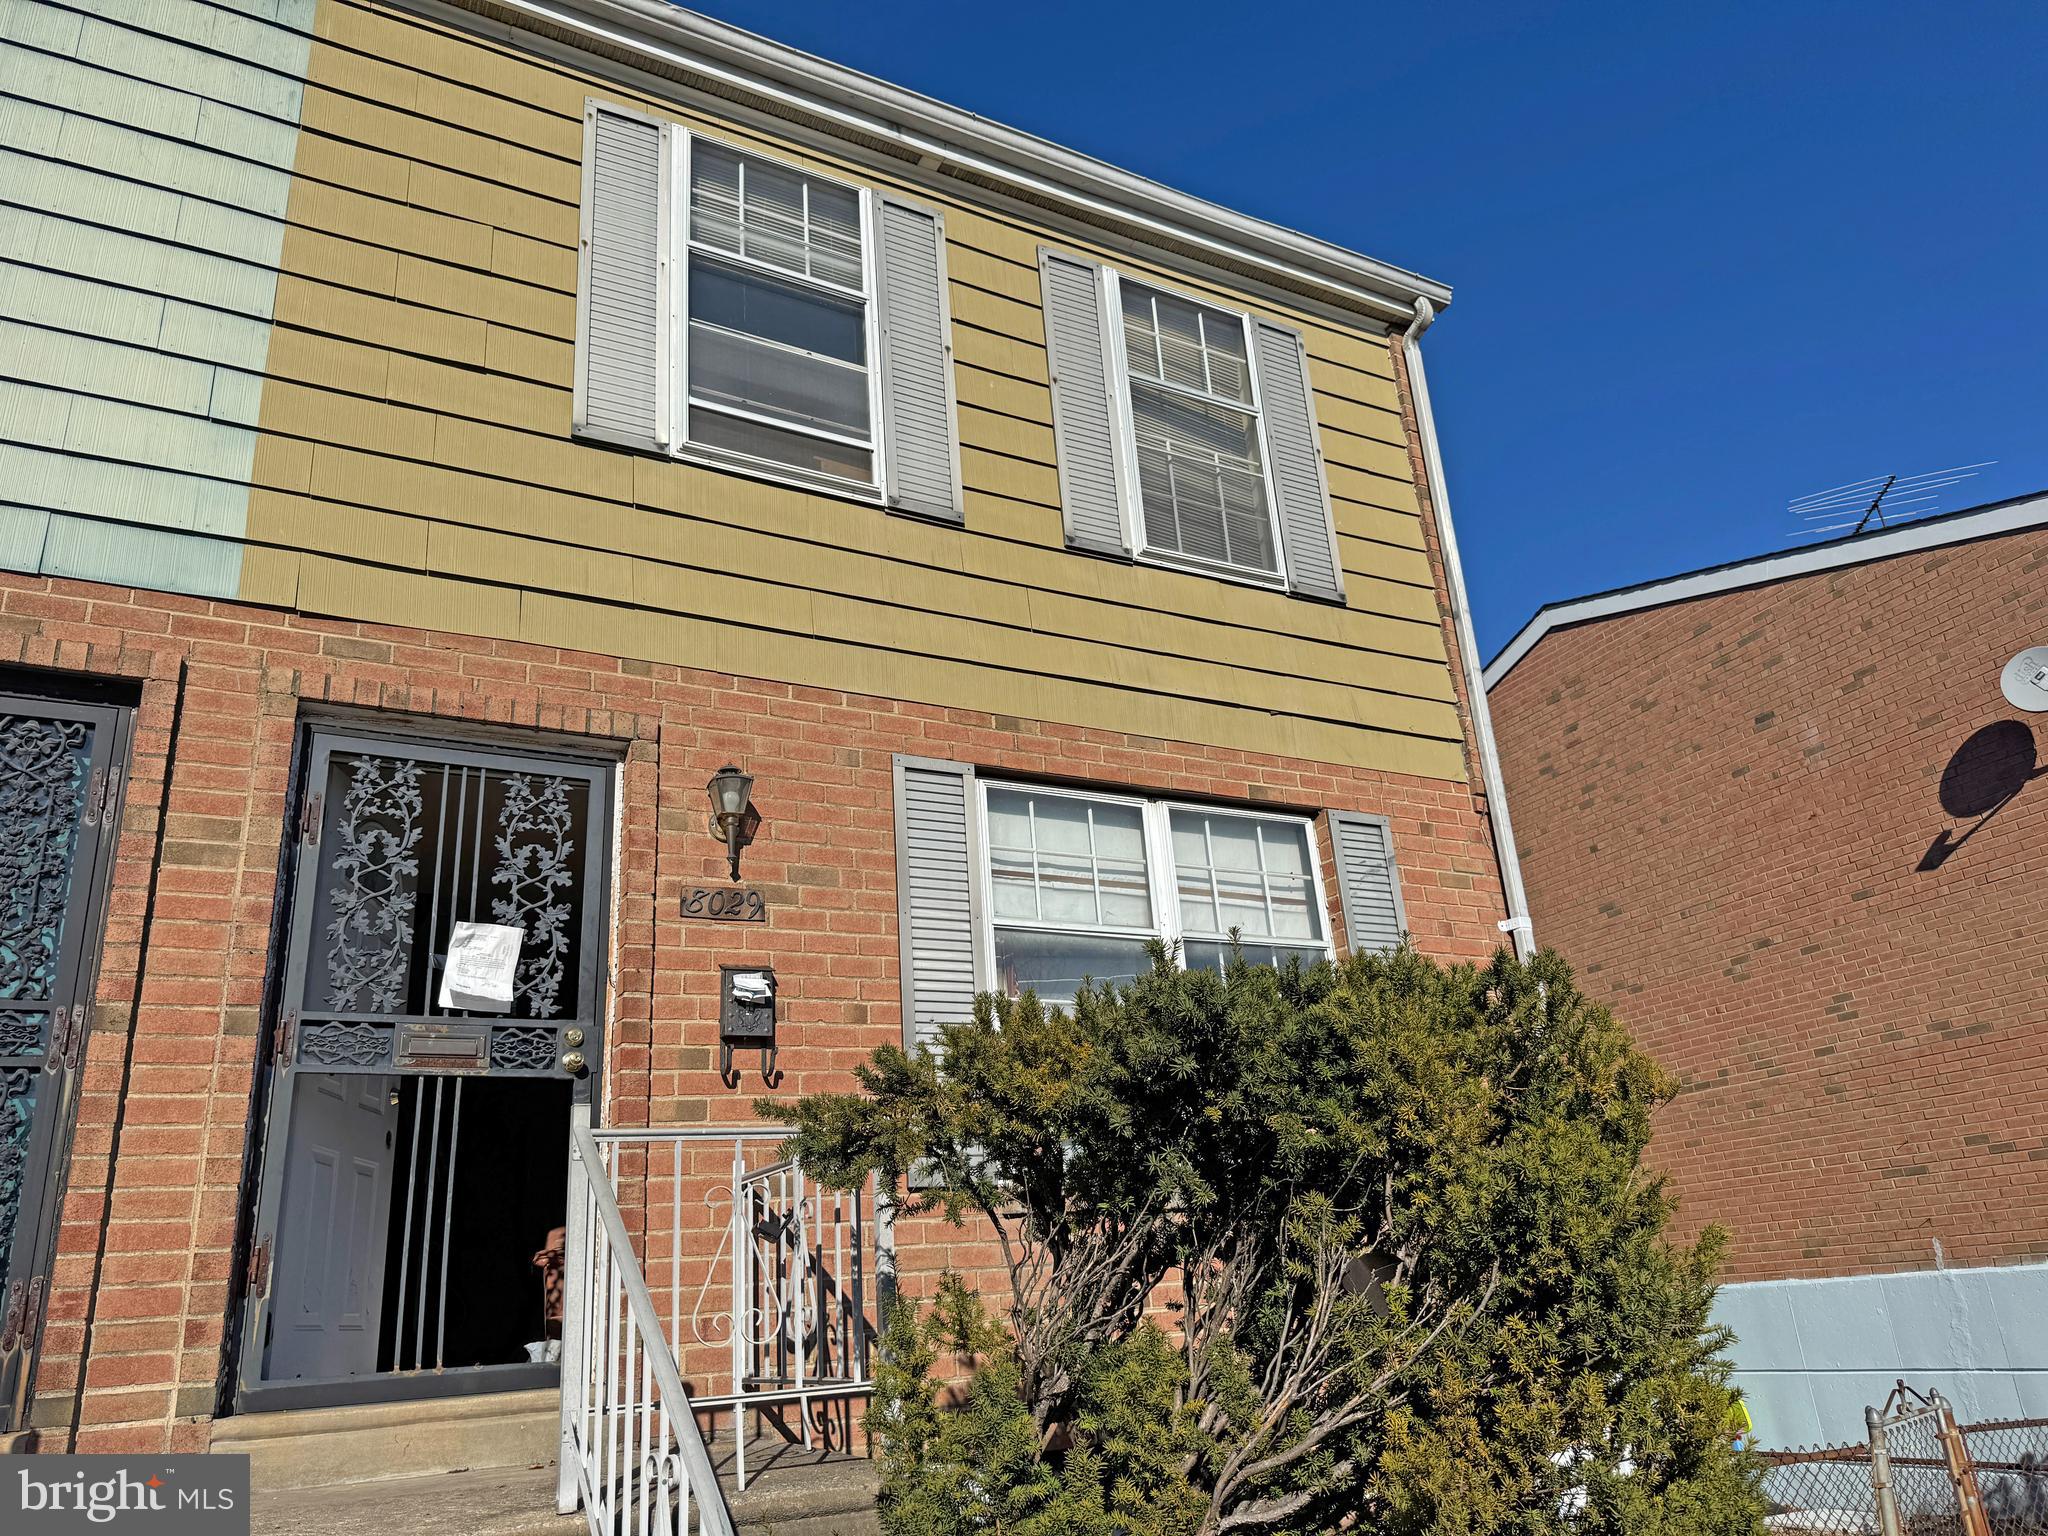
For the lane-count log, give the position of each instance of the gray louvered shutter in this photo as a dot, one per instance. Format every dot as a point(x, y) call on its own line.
point(938, 901)
point(1368, 881)
point(621, 306)
point(920, 443)
point(1083, 413)
point(1307, 534)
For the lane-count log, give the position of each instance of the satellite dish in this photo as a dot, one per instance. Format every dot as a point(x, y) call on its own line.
point(2025, 680)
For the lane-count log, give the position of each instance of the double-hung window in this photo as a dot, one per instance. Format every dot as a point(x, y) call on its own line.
point(1078, 883)
point(1200, 471)
point(1185, 431)
point(776, 354)
point(746, 313)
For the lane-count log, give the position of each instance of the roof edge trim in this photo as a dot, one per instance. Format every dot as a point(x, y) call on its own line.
point(937, 134)
point(1760, 570)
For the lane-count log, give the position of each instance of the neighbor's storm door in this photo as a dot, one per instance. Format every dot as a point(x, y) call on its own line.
point(59, 793)
point(414, 1156)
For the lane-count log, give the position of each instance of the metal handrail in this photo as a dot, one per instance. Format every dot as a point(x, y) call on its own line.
point(675, 1413)
point(795, 1322)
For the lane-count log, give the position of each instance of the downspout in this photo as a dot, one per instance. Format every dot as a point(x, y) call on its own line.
point(1517, 922)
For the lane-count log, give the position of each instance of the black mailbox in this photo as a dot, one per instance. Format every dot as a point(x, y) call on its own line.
point(746, 1019)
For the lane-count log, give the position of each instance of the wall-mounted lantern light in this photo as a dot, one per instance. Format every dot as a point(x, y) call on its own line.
point(733, 817)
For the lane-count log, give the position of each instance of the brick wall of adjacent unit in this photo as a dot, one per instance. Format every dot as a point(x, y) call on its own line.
point(143, 1285)
point(1722, 807)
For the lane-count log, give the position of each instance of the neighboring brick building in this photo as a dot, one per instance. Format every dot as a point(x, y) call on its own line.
point(1778, 815)
point(435, 440)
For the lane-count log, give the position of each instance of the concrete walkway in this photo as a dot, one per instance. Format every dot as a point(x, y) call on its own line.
point(797, 1498)
point(496, 1501)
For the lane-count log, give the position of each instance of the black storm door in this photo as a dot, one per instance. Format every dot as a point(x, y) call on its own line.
point(59, 792)
point(400, 843)
point(415, 1150)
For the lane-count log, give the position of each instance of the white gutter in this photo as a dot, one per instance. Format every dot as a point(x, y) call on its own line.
point(743, 63)
point(1517, 922)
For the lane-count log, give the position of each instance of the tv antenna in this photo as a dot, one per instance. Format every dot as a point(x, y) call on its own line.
point(1880, 499)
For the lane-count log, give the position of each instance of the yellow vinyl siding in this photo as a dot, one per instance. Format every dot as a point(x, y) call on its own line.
point(418, 387)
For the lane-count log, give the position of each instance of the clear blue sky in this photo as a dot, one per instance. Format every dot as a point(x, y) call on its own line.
point(1706, 258)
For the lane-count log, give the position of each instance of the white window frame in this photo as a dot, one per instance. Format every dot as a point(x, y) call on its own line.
point(1161, 875)
point(1130, 494)
point(676, 231)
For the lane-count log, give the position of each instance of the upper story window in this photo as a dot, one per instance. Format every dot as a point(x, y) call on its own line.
point(777, 349)
point(1078, 884)
point(1186, 431)
point(1194, 419)
point(741, 310)
point(735, 309)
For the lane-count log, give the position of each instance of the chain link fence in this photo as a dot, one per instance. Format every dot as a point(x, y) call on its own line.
point(2011, 1462)
point(1825, 1490)
point(1920, 1474)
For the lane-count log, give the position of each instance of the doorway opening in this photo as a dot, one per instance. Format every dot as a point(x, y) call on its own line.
point(419, 1221)
point(438, 1020)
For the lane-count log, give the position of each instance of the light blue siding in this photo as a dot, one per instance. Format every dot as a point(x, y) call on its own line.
point(40, 26)
point(33, 355)
point(89, 309)
point(1810, 1355)
point(88, 550)
point(145, 158)
point(62, 482)
point(22, 530)
point(74, 87)
point(192, 331)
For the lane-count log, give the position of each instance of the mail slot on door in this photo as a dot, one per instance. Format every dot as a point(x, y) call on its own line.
point(444, 1047)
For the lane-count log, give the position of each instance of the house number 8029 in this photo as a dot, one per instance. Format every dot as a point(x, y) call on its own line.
point(740, 904)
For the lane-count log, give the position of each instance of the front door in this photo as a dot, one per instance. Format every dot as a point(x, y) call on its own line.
point(59, 802)
point(414, 1160)
point(330, 1264)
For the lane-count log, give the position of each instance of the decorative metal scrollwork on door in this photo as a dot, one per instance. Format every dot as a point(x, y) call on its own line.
point(17, 1117)
point(407, 840)
point(536, 876)
point(523, 1048)
point(42, 792)
point(22, 1034)
point(59, 776)
point(376, 871)
point(345, 1044)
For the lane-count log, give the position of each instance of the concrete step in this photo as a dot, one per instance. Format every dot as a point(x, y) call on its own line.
point(353, 1471)
point(499, 1501)
point(326, 1447)
point(833, 1498)
point(794, 1492)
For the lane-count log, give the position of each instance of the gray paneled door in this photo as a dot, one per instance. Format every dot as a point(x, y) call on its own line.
point(59, 793)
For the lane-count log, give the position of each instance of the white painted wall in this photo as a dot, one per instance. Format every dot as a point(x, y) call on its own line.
point(1810, 1354)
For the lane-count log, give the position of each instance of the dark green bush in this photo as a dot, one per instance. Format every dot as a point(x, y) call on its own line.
point(1418, 1279)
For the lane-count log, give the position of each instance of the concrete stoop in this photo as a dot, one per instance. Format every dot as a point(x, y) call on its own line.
point(325, 1447)
point(833, 1497)
point(521, 1502)
point(497, 1501)
point(485, 1466)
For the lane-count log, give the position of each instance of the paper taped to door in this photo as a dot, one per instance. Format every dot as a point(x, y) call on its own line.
point(482, 961)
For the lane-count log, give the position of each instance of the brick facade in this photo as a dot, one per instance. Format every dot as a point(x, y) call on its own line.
point(133, 1348)
point(1731, 815)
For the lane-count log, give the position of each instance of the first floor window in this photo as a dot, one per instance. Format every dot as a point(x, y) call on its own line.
point(1248, 875)
point(1078, 884)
